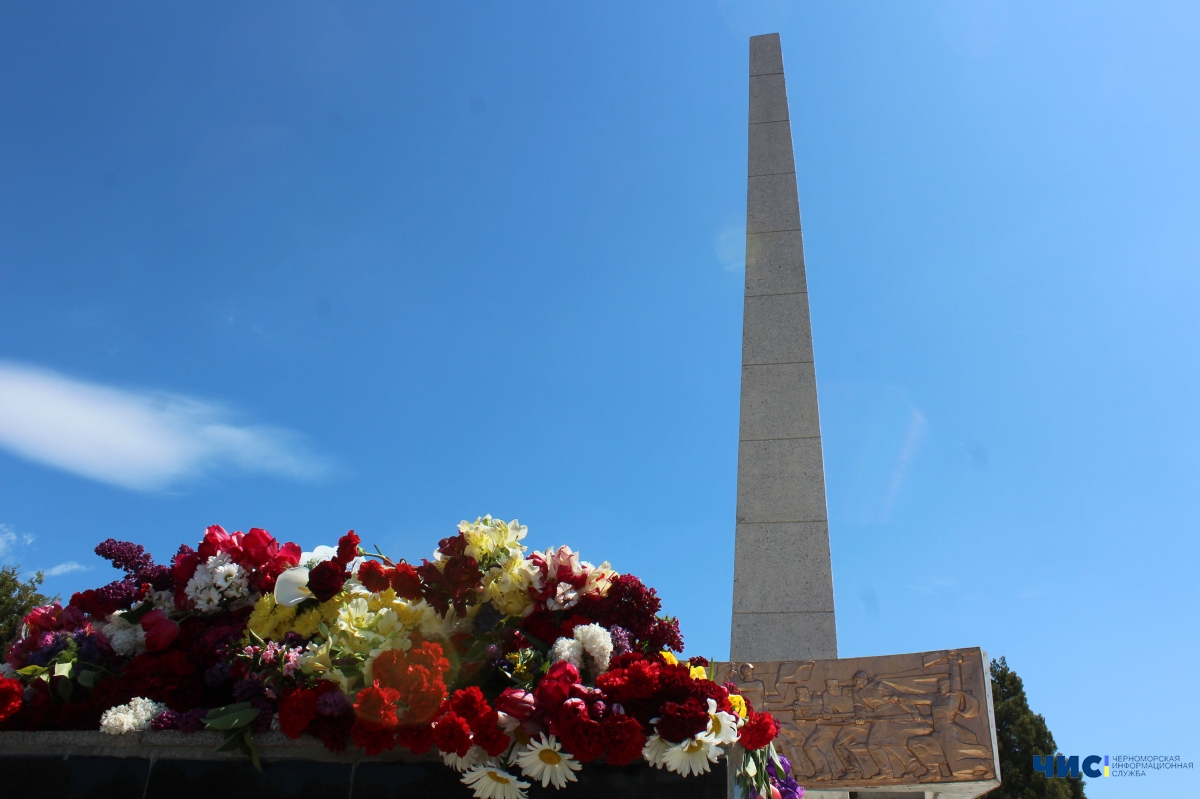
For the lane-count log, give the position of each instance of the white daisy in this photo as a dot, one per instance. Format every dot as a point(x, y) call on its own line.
point(692, 756)
point(655, 750)
point(475, 756)
point(722, 726)
point(489, 782)
point(544, 759)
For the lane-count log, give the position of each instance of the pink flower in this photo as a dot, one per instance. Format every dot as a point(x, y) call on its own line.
point(519, 704)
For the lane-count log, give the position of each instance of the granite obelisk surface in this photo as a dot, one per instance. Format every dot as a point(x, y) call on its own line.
point(783, 579)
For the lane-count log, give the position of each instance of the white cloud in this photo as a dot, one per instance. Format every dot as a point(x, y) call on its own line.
point(67, 568)
point(141, 440)
point(10, 540)
point(731, 245)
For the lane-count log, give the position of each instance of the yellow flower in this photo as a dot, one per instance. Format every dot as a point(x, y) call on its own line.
point(699, 673)
point(739, 704)
point(669, 657)
point(305, 625)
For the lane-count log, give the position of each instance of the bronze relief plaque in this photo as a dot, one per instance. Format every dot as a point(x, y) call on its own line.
point(895, 720)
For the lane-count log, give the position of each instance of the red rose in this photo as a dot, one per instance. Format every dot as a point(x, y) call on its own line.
point(216, 540)
point(492, 740)
point(297, 707)
point(11, 692)
point(406, 582)
point(451, 733)
point(161, 631)
point(347, 548)
point(327, 579)
point(624, 738)
point(760, 729)
point(373, 576)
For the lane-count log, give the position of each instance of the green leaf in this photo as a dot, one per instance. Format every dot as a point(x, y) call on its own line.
point(63, 669)
point(32, 671)
point(134, 616)
point(538, 643)
point(87, 678)
point(221, 711)
point(232, 741)
point(65, 687)
point(230, 721)
point(256, 639)
point(248, 740)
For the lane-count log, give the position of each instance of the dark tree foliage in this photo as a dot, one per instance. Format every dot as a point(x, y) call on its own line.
point(1021, 734)
point(16, 600)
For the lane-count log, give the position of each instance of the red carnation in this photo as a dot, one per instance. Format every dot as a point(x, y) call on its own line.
point(760, 729)
point(581, 736)
point(372, 575)
point(624, 738)
point(417, 738)
point(469, 703)
point(161, 631)
point(406, 582)
point(297, 708)
point(682, 720)
point(492, 740)
point(451, 733)
point(377, 706)
point(11, 692)
point(373, 738)
point(347, 548)
point(327, 580)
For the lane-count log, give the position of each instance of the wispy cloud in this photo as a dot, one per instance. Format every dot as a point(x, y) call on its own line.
point(10, 540)
point(67, 568)
point(141, 440)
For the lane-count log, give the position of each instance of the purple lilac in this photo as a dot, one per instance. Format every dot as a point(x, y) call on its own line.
point(192, 720)
point(247, 690)
point(333, 703)
point(620, 639)
point(167, 720)
point(217, 674)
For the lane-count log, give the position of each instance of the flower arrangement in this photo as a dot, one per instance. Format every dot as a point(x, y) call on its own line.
point(515, 667)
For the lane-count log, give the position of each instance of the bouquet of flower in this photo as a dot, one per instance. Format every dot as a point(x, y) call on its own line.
point(510, 664)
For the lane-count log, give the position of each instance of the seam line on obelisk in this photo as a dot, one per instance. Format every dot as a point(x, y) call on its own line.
point(777, 363)
point(770, 122)
point(776, 612)
point(773, 174)
point(781, 230)
point(792, 438)
point(778, 294)
point(800, 521)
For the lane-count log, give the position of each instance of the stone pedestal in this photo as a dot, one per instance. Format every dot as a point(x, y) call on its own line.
point(174, 765)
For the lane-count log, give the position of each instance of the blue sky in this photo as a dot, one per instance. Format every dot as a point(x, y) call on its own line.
point(314, 267)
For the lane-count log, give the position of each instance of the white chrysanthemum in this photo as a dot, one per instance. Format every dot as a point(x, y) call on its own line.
point(655, 750)
point(692, 756)
point(722, 726)
point(543, 759)
point(490, 782)
point(598, 644)
point(475, 756)
point(567, 649)
point(133, 717)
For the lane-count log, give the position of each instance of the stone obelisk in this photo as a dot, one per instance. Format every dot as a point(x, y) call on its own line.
point(783, 579)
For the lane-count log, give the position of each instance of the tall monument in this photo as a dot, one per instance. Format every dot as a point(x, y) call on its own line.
point(783, 579)
point(909, 726)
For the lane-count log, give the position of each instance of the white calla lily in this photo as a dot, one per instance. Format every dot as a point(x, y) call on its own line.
point(291, 587)
point(318, 555)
